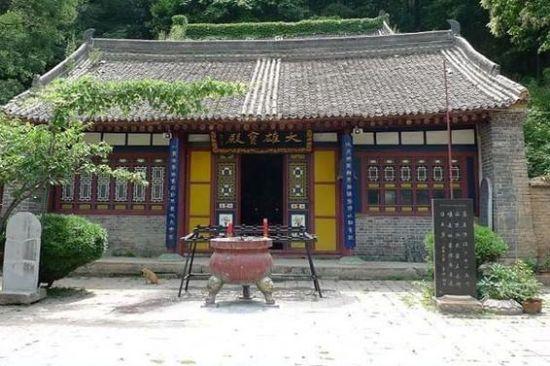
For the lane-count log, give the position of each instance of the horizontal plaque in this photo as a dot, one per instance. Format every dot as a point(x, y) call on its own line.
point(262, 141)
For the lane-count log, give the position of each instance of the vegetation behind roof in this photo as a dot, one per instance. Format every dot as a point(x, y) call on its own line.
point(283, 29)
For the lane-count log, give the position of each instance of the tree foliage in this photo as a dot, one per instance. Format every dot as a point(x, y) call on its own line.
point(526, 22)
point(34, 157)
point(89, 97)
point(116, 18)
point(279, 29)
point(33, 34)
point(537, 126)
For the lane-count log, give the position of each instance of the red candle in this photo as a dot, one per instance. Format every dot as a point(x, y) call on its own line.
point(266, 228)
point(229, 231)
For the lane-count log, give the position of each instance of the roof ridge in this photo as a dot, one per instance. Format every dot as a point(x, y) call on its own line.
point(374, 38)
point(492, 70)
point(64, 66)
point(317, 48)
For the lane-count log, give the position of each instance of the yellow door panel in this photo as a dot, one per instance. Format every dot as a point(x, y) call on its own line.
point(200, 166)
point(200, 163)
point(325, 200)
point(324, 166)
point(326, 234)
point(199, 199)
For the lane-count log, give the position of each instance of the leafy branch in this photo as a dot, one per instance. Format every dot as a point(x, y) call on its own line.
point(35, 157)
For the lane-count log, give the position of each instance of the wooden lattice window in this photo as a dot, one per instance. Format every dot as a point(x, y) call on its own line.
point(405, 184)
point(105, 195)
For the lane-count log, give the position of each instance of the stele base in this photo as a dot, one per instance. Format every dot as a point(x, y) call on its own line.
point(22, 298)
point(458, 304)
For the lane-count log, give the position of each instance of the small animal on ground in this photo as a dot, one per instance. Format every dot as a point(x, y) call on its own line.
point(150, 276)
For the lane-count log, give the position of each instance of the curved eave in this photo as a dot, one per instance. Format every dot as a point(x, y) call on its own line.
point(484, 73)
point(321, 123)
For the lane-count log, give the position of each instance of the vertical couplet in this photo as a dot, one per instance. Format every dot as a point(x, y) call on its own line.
point(346, 173)
point(172, 204)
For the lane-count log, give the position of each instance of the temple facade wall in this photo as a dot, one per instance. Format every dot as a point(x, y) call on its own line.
point(383, 232)
point(33, 204)
point(133, 235)
point(392, 238)
point(503, 161)
point(540, 203)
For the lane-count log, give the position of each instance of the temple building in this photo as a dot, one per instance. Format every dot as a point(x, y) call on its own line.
point(346, 135)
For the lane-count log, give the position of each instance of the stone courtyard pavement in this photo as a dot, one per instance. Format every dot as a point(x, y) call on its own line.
point(122, 321)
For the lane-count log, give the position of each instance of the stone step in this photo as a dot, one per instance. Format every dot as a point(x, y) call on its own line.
point(347, 268)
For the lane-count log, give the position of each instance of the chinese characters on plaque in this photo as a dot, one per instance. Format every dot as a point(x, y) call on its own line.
point(454, 256)
point(261, 141)
point(347, 196)
point(172, 206)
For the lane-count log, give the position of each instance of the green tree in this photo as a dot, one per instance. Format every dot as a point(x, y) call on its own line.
point(116, 18)
point(227, 11)
point(537, 126)
point(526, 22)
point(32, 37)
point(34, 157)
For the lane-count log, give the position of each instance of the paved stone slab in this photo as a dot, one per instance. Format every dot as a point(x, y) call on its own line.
point(122, 321)
point(342, 269)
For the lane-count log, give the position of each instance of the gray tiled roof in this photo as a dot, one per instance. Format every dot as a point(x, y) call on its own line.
point(360, 76)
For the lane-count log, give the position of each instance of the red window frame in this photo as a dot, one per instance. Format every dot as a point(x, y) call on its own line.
point(431, 186)
point(112, 206)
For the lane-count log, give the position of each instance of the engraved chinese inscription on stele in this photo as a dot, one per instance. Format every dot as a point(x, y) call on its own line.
point(454, 256)
point(22, 254)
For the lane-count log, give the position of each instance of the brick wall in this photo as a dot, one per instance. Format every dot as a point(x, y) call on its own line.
point(503, 162)
point(32, 204)
point(137, 235)
point(540, 203)
point(392, 238)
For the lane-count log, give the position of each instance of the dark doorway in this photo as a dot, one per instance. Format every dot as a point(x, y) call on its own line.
point(261, 188)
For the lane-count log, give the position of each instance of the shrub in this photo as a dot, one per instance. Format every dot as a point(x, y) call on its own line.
point(489, 246)
point(179, 20)
point(68, 242)
point(282, 29)
point(545, 263)
point(179, 28)
point(531, 263)
point(515, 282)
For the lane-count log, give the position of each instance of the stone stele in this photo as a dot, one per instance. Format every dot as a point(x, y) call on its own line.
point(458, 304)
point(21, 261)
